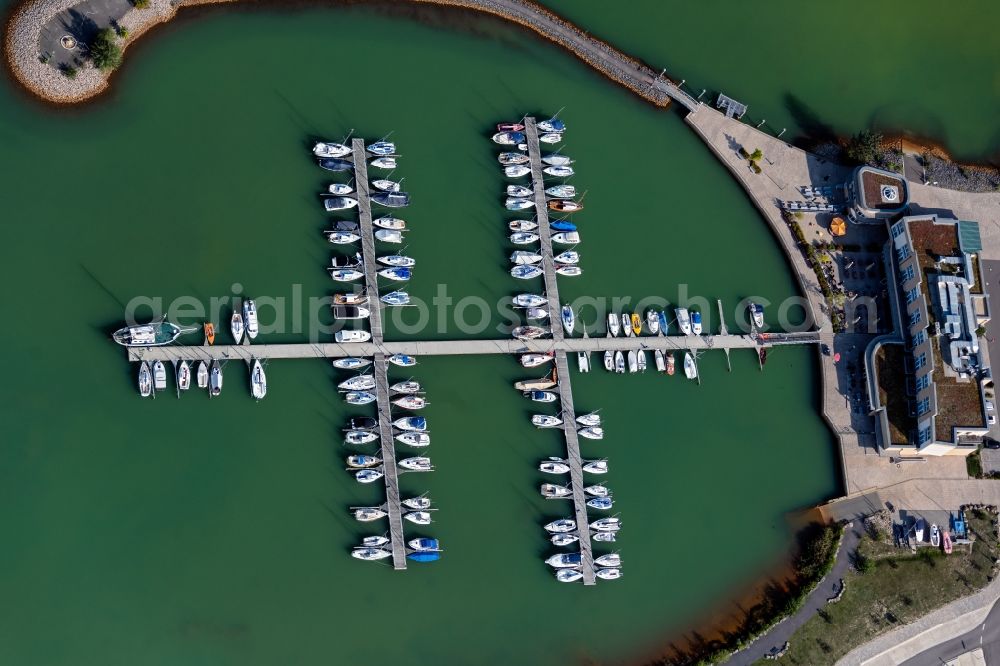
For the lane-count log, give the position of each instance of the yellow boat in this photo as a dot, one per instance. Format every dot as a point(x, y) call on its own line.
point(636, 324)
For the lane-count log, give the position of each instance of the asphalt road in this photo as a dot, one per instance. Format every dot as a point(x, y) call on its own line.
point(985, 636)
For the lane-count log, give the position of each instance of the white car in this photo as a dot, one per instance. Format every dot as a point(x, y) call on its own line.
point(352, 336)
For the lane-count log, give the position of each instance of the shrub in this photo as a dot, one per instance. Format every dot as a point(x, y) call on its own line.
point(744, 154)
point(122, 32)
point(756, 155)
point(974, 465)
point(756, 169)
point(140, 4)
point(69, 71)
point(863, 148)
point(105, 51)
point(981, 331)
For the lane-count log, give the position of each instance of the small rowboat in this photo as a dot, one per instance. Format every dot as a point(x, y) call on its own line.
point(209, 332)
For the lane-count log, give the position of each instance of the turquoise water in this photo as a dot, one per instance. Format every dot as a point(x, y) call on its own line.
point(196, 532)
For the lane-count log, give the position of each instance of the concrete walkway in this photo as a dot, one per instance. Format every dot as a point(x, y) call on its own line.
point(773, 641)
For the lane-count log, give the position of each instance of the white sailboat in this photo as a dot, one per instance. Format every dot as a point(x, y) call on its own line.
point(258, 381)
point(202, 374)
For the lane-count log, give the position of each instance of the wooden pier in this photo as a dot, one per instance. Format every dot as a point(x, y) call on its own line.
point(393, 507)
point(367, 237)
point(544, 231)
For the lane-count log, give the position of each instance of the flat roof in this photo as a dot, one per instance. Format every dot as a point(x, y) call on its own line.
point(968, 237)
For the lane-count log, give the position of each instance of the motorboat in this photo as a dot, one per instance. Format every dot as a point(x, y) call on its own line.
point(553, 467)
point(596, 466)
point(696, 322)
point(209, 329)
point(417, 503)
point(528, 332)
point(159, 376)
point(518, 191)
point(515, 203)
point(389, 222)
point(640, 357)
point(363, 461)
point(397, 273)
point(546, 421)
point(330, 149)
point(347, 261)
point(215, 379)
point(565, 205)
point(559, 171)
point(535, 360)
point(339, 189)
point(569, 257)
point(509, 138)
point(358, 383)
point(524, 257)
point(541, 396)
point(350, 298)
point(202, 374)
point(351, 363)
point(553, 491)
point(516, 171)
point(145, 380)
point(342, 237)
point(610, 524)
point(608, 560)
point(540, 384)
point(509, 127)
point(523, 238)
point(636, 324)
point(352, 336)
point(375, 541)
point(509, 159)
point(258, 381)
point(555, 159)
point(250, 318)
point(346, 275)
point(339, 203)
point(614, 327)
point(183, 375)
point(583, 361)
point(522, 225)
point(690, 367)
point(609, 361)
point(384, 162)
point(566, 238)
point(397, 260)
point(552, 125)
point(418, 517)
point(410, 402)
point(402, 360)
point(562, 225)
point(416, 464)
point(362, 423)
point(619, 362)
point(593, 432)
point(565, 560)
point(411, 423)
point(569, 575)
point(395, 298)
point(633, 361)
point(391, 199)
point(563, 539)
point(627, 324)
point(359, 397)
point(562, 525)
point(670, 363)
point(369, 554)
point(369, 475)
point(550, 137)
point(609, 573)
point(919, 528)
point(154, 334)
point(589, 420)
point(385, 185)
point(756, 314)
point(408, 387)
point(600, 503)
point(359, 437)
point(561, 191)
point(335, 164)
point(683, 320)
point(661, 364)
point(415, 439)
point(428, 556)
point(345, 225)
point(536, 313)
point(424, 544)
point(568, 319)
point(382, 148)
point(662, 315)
point(935, 536)
point(568, 271)
point(529, 300)
point(526, 271)
point(389, 235)
point(351, 312)
point(652, 321)
point(597, 491)
point(367, 514)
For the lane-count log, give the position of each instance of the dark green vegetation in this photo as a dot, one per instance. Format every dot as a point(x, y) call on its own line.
point(104, 50)
point(889, 588)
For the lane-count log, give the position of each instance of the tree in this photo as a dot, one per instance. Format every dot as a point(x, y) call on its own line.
point(981, 331)
point(105, 51)
point(756, 155)
point(863, 147)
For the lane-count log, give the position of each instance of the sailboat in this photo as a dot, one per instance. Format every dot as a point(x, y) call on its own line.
point(559, 171)
point(330, 149)
point(258, 381)
point(215, 379)
point(184, 376)
point(202, 374)
point(384, 162)
point(609, 361)
point(614, 327)
point(159, 376)
point(661, 365)
point(154, 334)
point(382, 148)
point(652, 321)
point(690, 368)
point(236, 326)
point(568, 319)
point(389, 222)
point(516, 170)
point(145, 380)
point(627, 325)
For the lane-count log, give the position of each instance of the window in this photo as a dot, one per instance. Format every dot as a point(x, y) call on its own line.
point(923, 381)
point(906, 274)
point(912, 295)
point(902, 253)
point(914, 317)
point(923, 406)
point(897, 229)
point(919, 338)
point(920, 361)
point(924, 436)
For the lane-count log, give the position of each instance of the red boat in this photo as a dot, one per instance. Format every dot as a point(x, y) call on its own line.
point(670, 363)
point(510, 127)
point(947, 542)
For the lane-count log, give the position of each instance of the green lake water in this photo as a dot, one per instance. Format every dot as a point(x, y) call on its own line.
point(197, 532)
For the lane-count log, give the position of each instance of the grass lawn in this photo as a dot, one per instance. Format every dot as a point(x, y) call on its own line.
point(898, 589)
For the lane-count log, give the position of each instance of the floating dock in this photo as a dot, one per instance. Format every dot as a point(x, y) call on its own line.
point(544, 231)
point(367, 236)
point(393, 507)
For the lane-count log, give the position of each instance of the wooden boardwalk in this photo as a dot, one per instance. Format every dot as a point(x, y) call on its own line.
point(544, 232)
point(393, 507)
point(367, 236)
